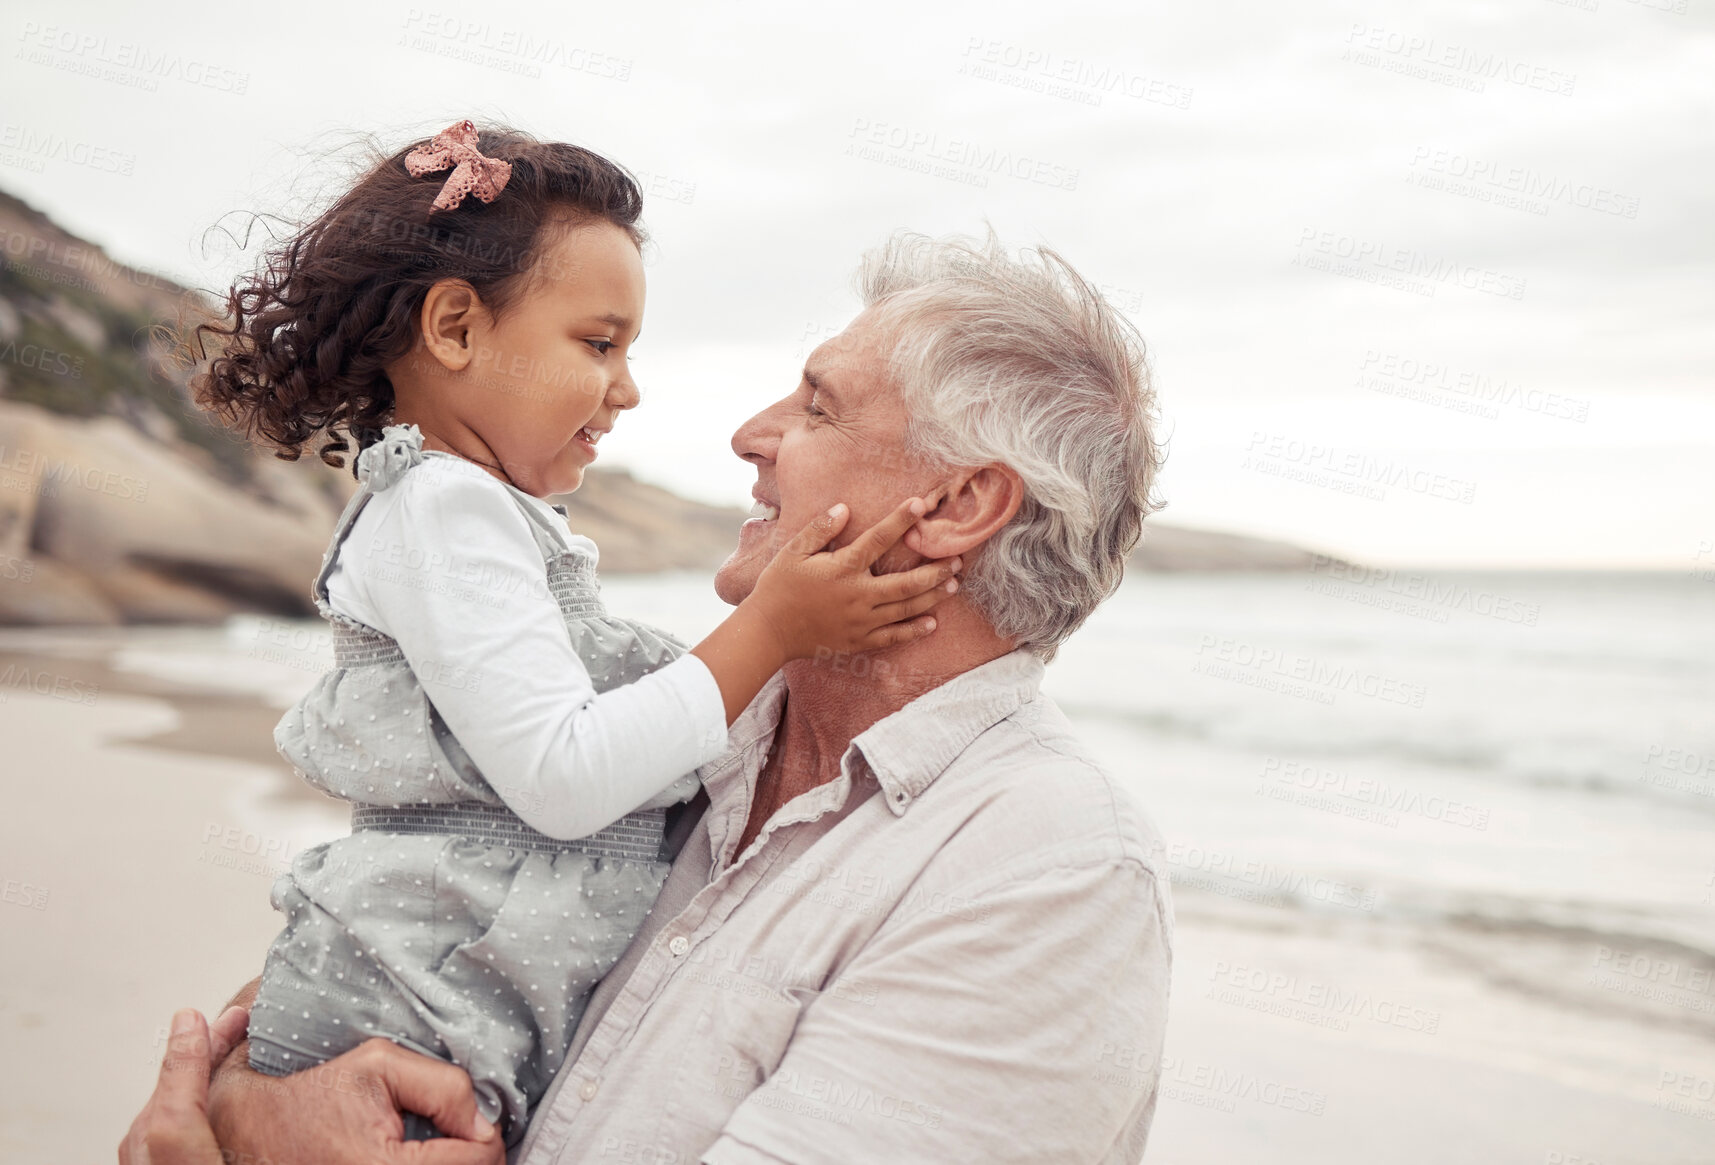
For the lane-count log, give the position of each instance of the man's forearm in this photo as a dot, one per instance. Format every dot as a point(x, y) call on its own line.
point(234, 1073)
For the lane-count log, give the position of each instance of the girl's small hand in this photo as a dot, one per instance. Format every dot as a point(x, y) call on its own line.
point(819, 600)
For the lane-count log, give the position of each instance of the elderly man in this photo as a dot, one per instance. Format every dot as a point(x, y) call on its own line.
point(916, 920)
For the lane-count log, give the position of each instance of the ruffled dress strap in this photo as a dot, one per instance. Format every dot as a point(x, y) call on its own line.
point(385, 462)
point(379, 467)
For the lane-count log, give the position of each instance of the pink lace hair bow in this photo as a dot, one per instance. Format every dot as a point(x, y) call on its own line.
point(473, 173)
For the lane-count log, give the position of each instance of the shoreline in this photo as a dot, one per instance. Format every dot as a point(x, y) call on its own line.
point(211, 722)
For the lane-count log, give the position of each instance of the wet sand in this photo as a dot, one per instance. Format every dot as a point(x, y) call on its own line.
point(145, 822)
point(210, 723)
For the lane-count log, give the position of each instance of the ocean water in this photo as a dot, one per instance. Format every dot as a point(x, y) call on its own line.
point(1525, 751)
point(1456, 830)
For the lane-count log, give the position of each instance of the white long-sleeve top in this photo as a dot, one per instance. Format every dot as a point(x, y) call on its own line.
point(443, 562)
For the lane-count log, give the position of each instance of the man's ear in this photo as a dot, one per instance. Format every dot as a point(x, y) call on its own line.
point(450, 310)
point(966, 510)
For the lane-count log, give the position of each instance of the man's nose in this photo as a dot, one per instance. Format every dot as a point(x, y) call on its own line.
point(758, 439)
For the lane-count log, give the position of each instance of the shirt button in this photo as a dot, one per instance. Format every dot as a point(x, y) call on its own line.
point(587, 1089)
point(679, 944)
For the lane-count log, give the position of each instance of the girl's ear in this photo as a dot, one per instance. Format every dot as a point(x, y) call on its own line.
point(450, 309)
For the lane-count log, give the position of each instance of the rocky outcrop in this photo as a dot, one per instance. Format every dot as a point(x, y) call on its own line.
point(101, 523)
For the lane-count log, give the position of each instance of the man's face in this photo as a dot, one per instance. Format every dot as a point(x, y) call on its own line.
point(839, 437)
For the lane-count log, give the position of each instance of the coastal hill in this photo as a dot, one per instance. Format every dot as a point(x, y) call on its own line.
point(120, 502)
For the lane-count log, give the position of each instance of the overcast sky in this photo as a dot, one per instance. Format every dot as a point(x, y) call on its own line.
point(1423, 283)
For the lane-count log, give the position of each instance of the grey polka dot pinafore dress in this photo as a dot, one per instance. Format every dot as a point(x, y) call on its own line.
point(444, 922)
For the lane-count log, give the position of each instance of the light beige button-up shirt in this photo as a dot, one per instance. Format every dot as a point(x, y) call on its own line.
point(958, 950)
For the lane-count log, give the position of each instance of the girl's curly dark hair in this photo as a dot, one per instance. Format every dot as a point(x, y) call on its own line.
point(305, 340)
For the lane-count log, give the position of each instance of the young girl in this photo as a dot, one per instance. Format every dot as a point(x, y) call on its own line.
point(510, 749)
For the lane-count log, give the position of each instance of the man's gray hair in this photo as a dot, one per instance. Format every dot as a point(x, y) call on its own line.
point(1022, 362)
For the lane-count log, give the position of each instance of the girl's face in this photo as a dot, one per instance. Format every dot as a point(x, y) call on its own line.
point(545, 381)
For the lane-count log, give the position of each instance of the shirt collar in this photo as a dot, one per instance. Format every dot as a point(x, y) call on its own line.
point(906, 749)
point(759, 721)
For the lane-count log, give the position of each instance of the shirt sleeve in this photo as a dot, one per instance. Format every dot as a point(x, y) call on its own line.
point(1023, 1022)
point(452, 572)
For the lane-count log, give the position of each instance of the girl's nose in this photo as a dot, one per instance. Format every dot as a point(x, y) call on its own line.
point(624, 393)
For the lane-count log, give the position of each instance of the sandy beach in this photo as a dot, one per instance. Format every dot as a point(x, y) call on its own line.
point(146, 820)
